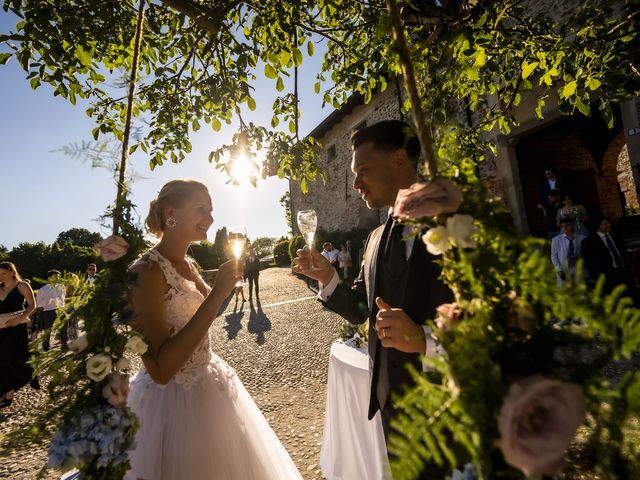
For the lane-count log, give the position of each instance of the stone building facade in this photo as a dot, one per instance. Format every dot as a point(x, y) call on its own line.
point(600, 164)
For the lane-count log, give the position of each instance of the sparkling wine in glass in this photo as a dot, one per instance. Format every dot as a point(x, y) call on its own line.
point(307, 223)
point(237, 238)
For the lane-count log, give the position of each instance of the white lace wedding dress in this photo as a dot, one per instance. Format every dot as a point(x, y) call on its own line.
point(203, 424)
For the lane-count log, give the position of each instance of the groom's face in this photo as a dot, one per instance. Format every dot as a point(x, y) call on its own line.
point(376, 175)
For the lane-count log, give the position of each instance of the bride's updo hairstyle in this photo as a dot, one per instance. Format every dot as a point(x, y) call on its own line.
point(171, 194)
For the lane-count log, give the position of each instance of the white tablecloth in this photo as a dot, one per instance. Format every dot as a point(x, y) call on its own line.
point(353, 447)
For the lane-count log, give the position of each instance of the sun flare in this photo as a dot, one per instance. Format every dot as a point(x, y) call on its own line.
point(242, 170)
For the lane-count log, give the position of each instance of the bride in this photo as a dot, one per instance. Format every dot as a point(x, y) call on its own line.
point(197, 419)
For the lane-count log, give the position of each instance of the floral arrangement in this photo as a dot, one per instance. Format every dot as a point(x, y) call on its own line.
point(523, 378)
point(86, 414)
point(357, 335)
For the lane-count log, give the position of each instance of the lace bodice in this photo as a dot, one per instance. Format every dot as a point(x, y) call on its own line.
point(181, 302)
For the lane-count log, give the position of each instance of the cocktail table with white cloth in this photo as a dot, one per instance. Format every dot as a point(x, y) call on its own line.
point(353, 447)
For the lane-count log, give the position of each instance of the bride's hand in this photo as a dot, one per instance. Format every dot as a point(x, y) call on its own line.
point(228, 275)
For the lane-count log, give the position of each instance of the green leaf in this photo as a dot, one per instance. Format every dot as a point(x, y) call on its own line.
point(594, 84)
point(316, 87)
point(528, 68)
point(284, 58)
point(4, 58)
point(215, 124)
point(84, 56)
point(35, 82)
point(279, 84)
point(269, 71)
point(292, 126)
point(569, 89)
point(297, 57)
point(584, 109)
point(310, 48)
point(251, 103)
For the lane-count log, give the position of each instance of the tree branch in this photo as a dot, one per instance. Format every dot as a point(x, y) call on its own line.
point(210, 20)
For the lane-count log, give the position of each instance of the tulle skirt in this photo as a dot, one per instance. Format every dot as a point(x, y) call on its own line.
point(204, 429)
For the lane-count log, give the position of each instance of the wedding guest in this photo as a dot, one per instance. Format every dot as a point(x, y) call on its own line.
point(550, 183)
point(252, 273)
point(575, 211)
point(344, 262)
point(197, 420)
point(566, 248)
point(92, 273)
point(16, 296)
point(604, 254)
point(550, 212)
point(330, 253)
point(406, 291)
point(50, 300)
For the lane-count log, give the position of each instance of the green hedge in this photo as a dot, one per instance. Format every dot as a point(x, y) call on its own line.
point(281, 254)
point(296, 242)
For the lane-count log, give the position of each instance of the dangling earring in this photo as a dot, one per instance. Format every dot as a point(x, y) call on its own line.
point(171, 222)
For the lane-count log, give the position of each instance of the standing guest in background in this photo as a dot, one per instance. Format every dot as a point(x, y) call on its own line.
point(330, 253)
point(575, 211)
point(550, 183)
point(15, 296)
point(252, 273)
point(92, 273)
point(344, 262)
point(50, 300)
point(566, 248)
point(604, 254)
point(550, 212)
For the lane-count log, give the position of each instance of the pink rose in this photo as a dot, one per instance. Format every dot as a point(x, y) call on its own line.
point(448, 314)
point(537, 422)
point(522, 314)
point(116, 389)
point(112, 248)
point(428, 199)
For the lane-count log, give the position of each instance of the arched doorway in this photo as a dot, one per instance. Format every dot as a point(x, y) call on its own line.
point(585, 153)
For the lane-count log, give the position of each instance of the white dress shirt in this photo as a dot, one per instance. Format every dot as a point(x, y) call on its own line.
point(51, 297)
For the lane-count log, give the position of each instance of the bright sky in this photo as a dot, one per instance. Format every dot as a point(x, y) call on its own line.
point(44, 192)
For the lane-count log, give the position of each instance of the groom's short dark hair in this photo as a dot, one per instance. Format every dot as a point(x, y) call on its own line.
point(389, 135)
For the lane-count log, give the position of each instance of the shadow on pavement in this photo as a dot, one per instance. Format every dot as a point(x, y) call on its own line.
point(259, 323)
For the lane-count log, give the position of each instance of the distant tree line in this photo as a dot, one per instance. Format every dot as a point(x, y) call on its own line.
point(73, 251)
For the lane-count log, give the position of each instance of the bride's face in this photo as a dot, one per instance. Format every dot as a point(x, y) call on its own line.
point(193, 218)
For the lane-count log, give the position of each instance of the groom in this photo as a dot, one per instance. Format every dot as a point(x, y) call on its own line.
point(398, 287)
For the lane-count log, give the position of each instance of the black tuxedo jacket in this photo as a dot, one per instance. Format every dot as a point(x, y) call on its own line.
point(252, 268)
point(423, 293)
point(597, 258)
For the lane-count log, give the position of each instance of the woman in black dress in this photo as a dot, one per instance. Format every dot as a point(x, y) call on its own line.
point(15, 296)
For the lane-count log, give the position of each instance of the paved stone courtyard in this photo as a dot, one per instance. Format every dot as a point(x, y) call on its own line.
point(280, 350)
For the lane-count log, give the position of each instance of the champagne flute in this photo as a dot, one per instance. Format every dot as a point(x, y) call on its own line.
point(237, 239)
point(307, 223)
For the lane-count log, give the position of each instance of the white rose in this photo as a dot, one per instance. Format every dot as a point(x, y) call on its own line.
point(136, 345)
point(461, 228)
point(437, 240)
point(78, 345)
point(98, 367)
point(123, 363)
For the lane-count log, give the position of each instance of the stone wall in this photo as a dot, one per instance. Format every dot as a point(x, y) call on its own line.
point(338, 205)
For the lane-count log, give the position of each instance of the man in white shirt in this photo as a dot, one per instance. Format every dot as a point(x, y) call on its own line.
point(566, 248)
point(330, 253)
point(605, 255)
point(49, 299)
point(92, 273)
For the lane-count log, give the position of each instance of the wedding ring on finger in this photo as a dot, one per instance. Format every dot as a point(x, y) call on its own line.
point(384, 333)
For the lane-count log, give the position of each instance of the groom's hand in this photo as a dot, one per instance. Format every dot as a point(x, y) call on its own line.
point(313, 264)
point(396, 330)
